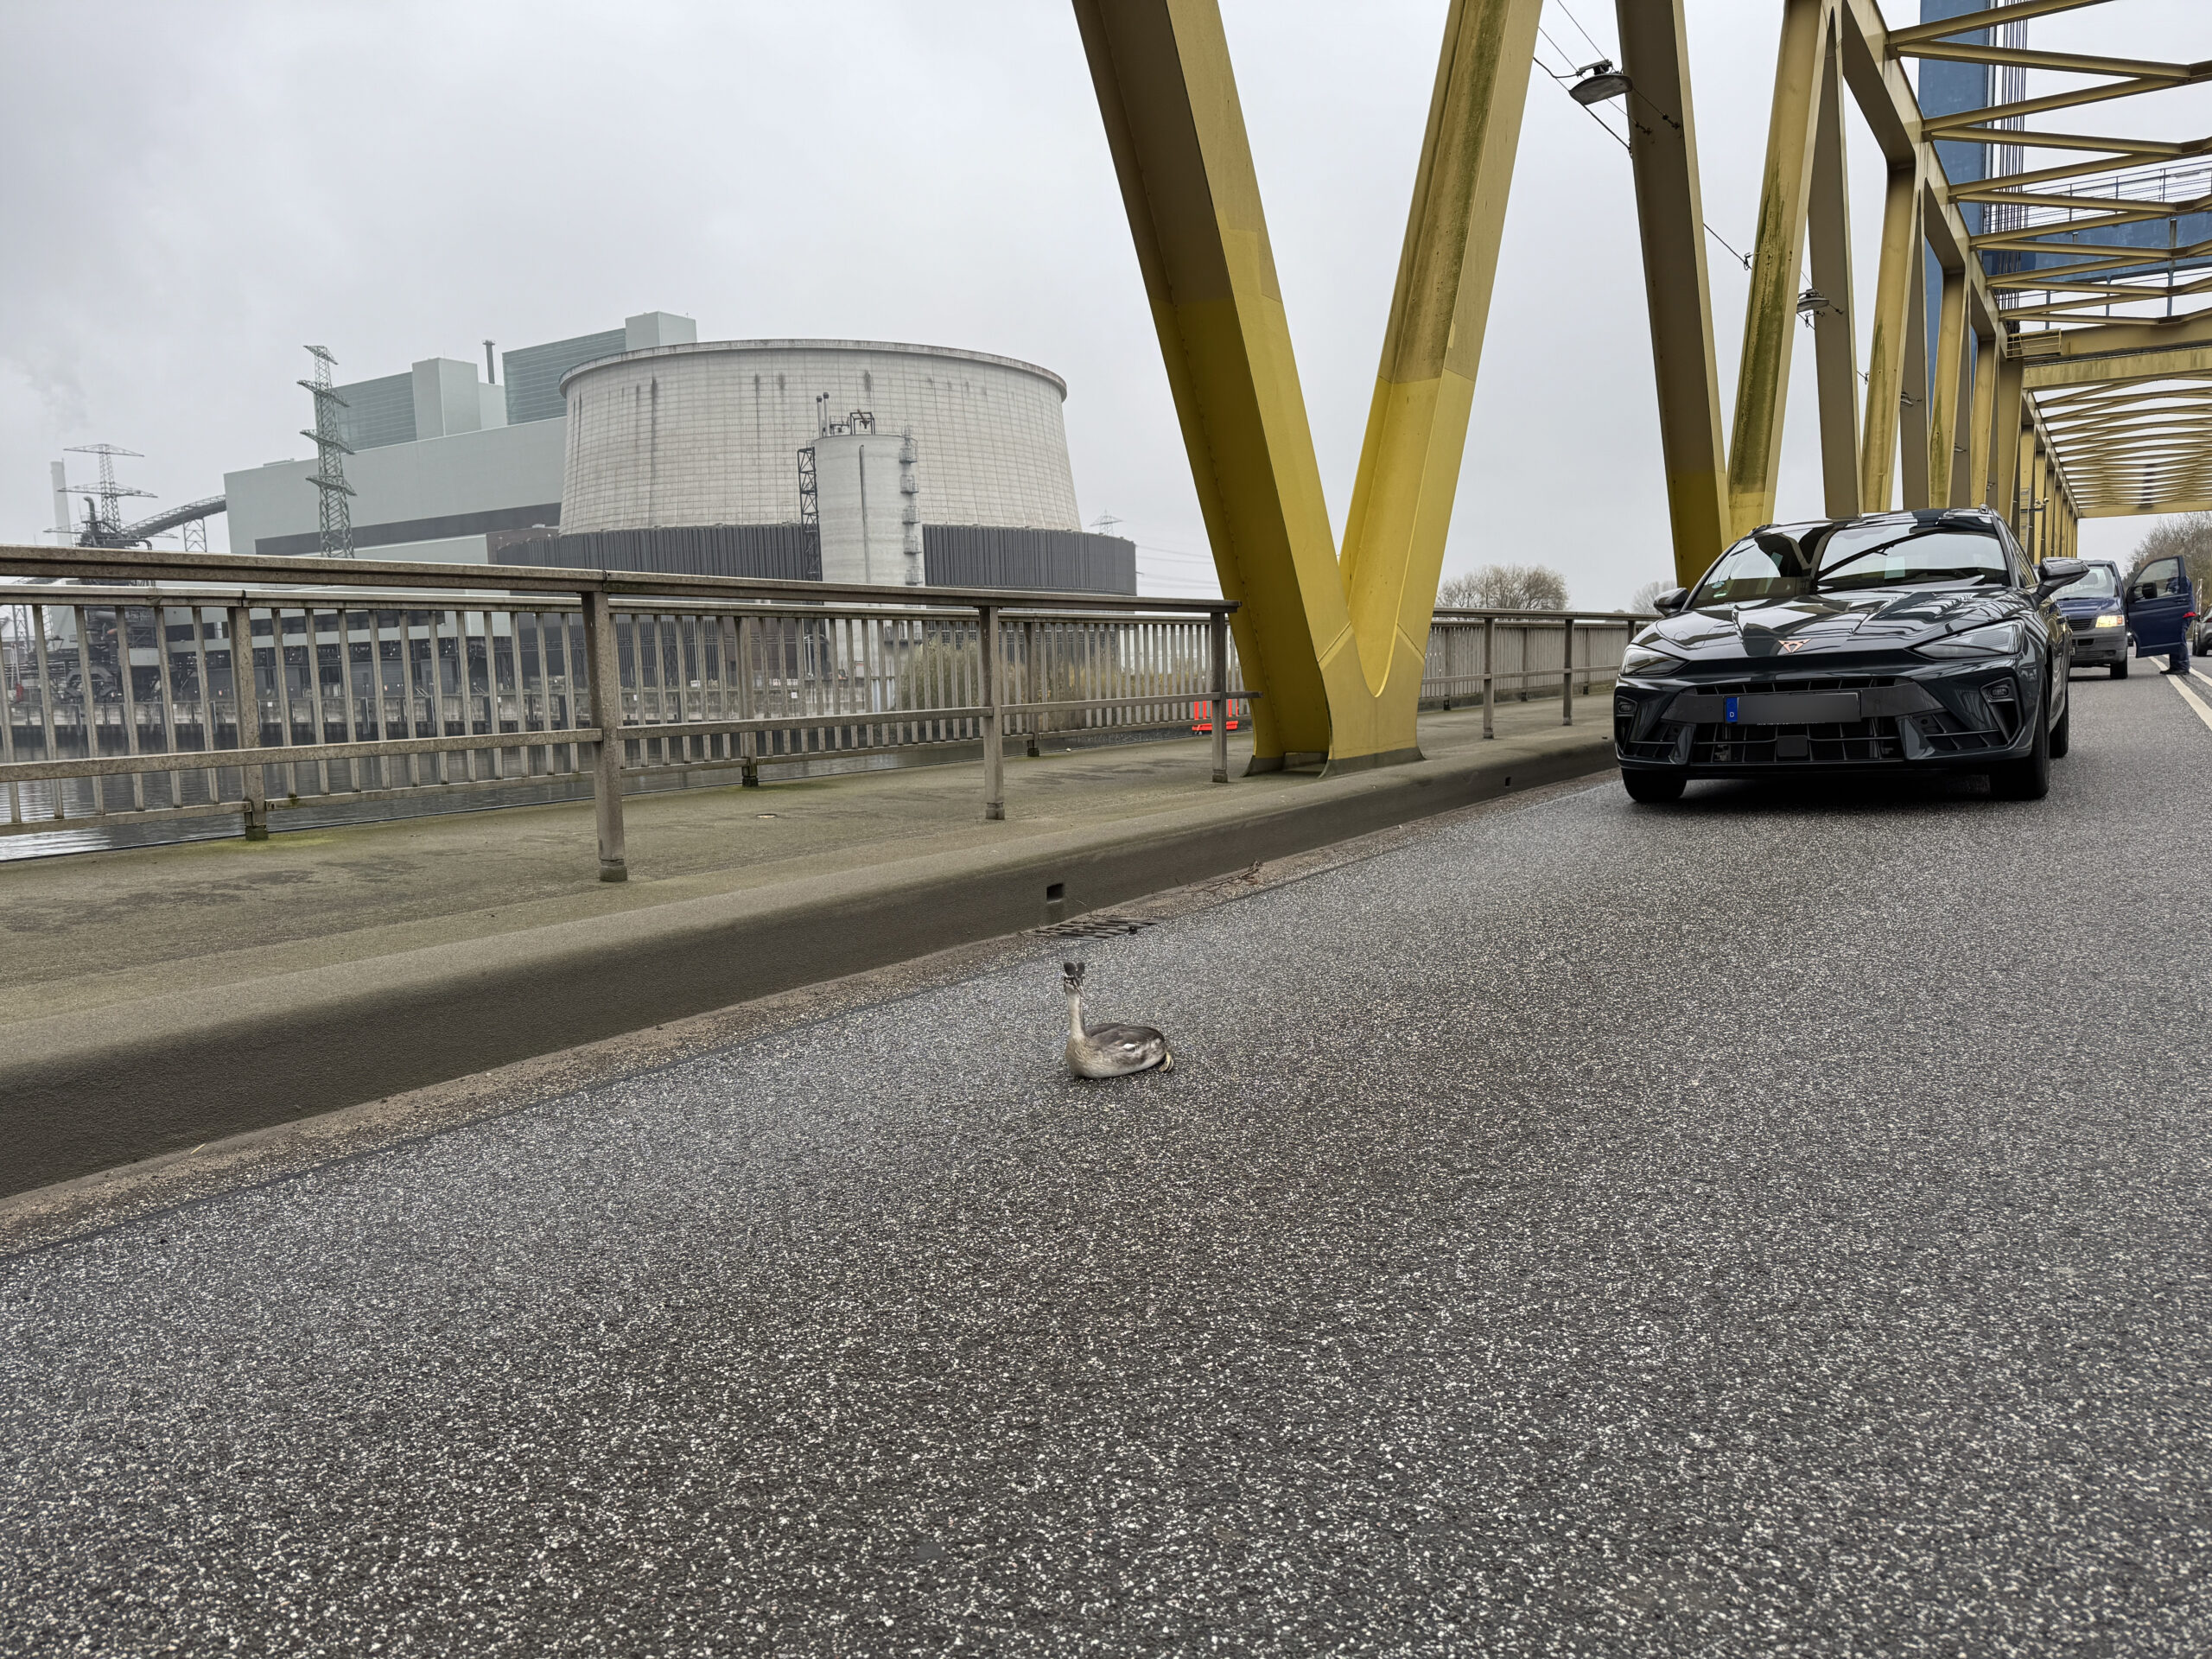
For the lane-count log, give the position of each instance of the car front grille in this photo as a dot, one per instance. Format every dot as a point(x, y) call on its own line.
point(1932, 731)
point(1834, 744)
point(1800, 683)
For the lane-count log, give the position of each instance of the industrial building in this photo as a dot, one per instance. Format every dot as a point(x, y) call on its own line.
point(848, 460)
point(441, 458)
point(643, 449)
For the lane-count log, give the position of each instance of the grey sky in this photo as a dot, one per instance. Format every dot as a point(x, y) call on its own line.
point(193, 191)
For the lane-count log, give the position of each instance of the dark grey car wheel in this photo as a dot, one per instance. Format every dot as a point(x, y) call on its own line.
point(2027, 778)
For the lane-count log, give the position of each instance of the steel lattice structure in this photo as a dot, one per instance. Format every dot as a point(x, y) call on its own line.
point(329, 479)
point(2068, 415)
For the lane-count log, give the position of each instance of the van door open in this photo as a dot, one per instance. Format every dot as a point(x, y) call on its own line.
point(2159, 603)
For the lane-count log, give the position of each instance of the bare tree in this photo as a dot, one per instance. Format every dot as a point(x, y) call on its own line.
point(1505, 588)
point(1642, 601)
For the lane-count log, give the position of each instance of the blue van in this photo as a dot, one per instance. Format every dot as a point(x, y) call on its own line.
point(2162, 611)
point(2097, 617)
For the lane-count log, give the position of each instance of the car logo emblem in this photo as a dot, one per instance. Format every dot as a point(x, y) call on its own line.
point(1793, 644)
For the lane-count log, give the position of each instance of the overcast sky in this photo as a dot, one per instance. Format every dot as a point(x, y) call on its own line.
point(192, 191)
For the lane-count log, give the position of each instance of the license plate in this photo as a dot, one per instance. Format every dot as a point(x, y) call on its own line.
point(1769, 708)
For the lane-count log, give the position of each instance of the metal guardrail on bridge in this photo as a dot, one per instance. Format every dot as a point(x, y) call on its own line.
point(122, 702)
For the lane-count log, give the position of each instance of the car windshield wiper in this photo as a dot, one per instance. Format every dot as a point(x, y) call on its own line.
point(1918, 578)
point(1881, 547)
point(1955, 574)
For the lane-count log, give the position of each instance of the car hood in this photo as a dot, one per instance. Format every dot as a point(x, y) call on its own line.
point(1871, 620)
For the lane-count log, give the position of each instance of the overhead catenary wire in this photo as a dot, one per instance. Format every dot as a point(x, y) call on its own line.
point(1563, 82)
point(1585, 32)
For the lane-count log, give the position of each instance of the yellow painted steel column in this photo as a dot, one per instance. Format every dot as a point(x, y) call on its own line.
point(1177, 135)
point(2007, 373)
point(1337, 650)
point(1912, 389)
point(1835, 336)
point(1943, 380)
point(1963, 485)
point(1425, 386)
point(2047, 529)
point(1885, 363)
point(1670, 216)
point(1770, 315)
point(1974, 486)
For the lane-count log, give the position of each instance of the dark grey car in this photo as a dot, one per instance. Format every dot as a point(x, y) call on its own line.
point(1888, 642)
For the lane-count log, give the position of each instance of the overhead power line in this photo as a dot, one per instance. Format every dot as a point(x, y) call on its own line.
point(1563, 81)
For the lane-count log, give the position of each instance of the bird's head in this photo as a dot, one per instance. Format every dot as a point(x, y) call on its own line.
point(1071, 977)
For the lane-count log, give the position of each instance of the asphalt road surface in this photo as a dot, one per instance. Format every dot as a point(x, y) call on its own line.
point(1772, 1224)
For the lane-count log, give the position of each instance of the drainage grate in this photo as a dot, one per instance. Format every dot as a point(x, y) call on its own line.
point(1103, 924)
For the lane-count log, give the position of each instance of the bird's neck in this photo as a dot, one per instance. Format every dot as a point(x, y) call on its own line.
point(1075, 1016)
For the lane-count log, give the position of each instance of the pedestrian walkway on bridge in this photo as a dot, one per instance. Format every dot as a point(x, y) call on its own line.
point(195, 992)
point(1770, 1223)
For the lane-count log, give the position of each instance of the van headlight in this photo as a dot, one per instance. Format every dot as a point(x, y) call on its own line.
point(1998, 639)
point(2110, 620)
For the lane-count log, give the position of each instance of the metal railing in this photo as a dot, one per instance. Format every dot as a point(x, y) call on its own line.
point(1482, 655)
point(322, 682)
point(2180, 185)
point(244, 686)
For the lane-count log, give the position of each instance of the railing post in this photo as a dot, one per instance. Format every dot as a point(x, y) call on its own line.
point(1566, 678)
point(746, 631)
point(1033, 685)
point(994, 697)
point(603, 654)
point(1489, 677)
point(245, 691)
point(1217, 640)
point(52, 751)
point(8, 737)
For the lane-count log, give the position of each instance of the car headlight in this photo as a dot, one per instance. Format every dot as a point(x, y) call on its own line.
point(1641, 659)
point(1998, 639)
point(2110, 620)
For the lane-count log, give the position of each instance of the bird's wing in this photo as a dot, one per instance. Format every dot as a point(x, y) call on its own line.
point(1135, 1039)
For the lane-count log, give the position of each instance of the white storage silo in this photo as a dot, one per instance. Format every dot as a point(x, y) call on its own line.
point(866, 488)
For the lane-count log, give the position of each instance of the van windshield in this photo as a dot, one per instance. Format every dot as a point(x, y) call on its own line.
point(2100, 583)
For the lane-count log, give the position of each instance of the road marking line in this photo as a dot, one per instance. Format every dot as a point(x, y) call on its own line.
point(2191, 698)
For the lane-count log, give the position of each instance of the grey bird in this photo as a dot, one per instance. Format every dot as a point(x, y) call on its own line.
point(1108, 1050)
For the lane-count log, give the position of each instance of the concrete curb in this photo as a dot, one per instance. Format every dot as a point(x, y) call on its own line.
point(90, 1091)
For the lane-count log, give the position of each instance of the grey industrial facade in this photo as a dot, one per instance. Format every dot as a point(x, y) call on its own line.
point(959, 474)
point(953, 556)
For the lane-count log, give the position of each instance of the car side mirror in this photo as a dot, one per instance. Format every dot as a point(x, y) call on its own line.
point(2054, 574)
point(1671, 602)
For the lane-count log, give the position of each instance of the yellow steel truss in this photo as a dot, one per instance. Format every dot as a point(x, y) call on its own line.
point(1334, 645)
point(2078, 417)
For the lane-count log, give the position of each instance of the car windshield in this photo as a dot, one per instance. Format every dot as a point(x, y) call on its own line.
point(1853, 557)
point(2101, 583)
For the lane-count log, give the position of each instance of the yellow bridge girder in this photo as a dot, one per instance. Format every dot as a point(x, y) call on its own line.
point(2081, 418)
point(1333, 644)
